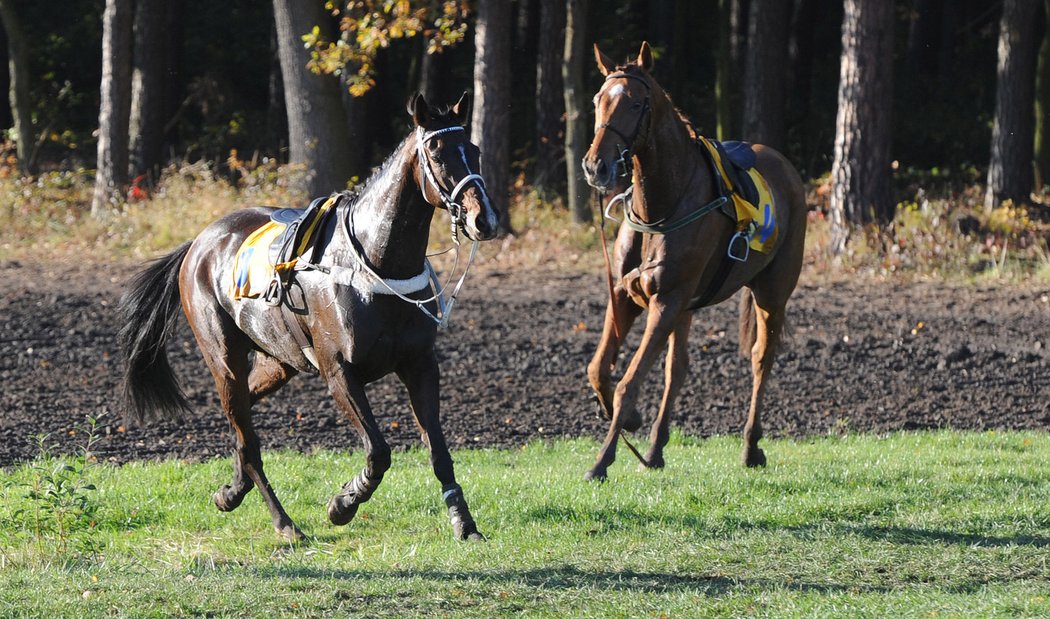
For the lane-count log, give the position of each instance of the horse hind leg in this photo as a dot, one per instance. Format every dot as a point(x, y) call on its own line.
point(675, 370)
point(768, 322)
point(226, 352)
point(267, 376)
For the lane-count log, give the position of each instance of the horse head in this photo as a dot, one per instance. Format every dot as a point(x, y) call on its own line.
point(622, 114)
point(447, 164)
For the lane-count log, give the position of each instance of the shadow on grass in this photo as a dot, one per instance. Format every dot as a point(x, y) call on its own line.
point(612, 520)
point(908, 535)
point(571, 578)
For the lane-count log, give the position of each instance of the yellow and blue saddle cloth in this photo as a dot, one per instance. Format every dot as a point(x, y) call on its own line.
point(755, 211)
point(274, 248)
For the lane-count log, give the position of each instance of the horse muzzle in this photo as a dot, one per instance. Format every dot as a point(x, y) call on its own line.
point(480, 221)
point(599, 174)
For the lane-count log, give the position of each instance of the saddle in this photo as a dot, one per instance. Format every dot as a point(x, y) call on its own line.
point(733, 164)
point(266, 259)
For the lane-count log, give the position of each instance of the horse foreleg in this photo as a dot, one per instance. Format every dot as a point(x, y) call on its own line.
point(350, 397)
point(768, 325)
point(675, 370)
point(620, 314)
point(663, 315)
point(422, 379)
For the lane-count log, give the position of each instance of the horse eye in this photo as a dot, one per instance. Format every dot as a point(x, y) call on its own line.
point(637, 105)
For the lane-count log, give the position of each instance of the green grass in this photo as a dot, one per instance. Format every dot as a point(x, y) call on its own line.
point(921, 525)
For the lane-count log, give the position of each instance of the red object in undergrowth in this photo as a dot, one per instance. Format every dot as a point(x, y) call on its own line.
point(136, 192)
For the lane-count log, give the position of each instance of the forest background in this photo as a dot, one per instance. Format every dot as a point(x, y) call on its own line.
point(882, 105)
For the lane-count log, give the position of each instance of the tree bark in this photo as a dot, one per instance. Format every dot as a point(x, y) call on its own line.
point(724, 72)
point(490, 121)
point(317, 132)
point(18, 71)
point(1010, 169)
point(1042, 107)
point(111, 177)
point(575, 51)
point(860, 175)
point(148, 87)
point(765, 72)
point(548, 171)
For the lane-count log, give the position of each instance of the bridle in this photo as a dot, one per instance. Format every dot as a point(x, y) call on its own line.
point(626, 155)
point(455, 209)
point(365, 278)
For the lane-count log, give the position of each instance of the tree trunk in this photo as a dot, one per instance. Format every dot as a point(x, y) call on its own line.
point(276, 114)
point(765, 72)
point(724, 72)
point(548, 171)
point(1042, 107)
point(148, 87)
point(860, 174)
point(1010, 169)
point(18, 68)
point(435, 77)
point(575, 51)
point(111, 177)
point(490, 121)
point(317, 133)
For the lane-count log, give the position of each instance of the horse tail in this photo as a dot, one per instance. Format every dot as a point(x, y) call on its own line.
point(748, 326)
point(150, 311)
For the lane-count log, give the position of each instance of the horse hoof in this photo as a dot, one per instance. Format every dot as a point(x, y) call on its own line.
point(338, 513)
point(754, 457)
point(222, 499)
point(467, 532)
point(653, 462)
point(596, 476)
point(290, 533)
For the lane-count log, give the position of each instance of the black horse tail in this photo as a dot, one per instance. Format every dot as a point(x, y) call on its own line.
point(748, 326)
point(150, 311)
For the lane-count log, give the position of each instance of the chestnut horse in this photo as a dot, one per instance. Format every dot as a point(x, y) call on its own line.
point(359, 306)
point(673, 259)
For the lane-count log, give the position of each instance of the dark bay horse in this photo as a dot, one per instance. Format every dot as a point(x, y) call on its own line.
point(359, 307)
point(670, 262)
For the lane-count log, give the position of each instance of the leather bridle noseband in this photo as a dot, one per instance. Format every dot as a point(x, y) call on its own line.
point(450, 199)
point(624, 162)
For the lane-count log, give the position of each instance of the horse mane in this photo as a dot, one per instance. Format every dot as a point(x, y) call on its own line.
point(633, 68)
point(442, 114)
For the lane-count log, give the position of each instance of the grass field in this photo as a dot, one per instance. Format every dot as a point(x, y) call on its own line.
point(919, 525)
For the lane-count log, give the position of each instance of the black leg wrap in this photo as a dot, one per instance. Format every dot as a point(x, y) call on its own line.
point(462, 523)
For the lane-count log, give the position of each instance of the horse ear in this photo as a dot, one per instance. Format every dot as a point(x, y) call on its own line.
point(462, 109)
point(645, 57)
point(418, 108)
point(605, 65)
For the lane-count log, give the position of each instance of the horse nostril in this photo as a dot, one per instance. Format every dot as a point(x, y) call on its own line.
point(599, 168)
point(481, 224)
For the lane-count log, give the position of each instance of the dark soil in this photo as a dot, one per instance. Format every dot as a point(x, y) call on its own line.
point(865, 356)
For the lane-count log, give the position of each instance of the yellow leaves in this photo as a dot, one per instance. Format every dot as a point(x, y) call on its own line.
point(366, 26)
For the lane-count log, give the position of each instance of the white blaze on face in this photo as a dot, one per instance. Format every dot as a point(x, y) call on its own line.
point(490, 213)
point(615, 91)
